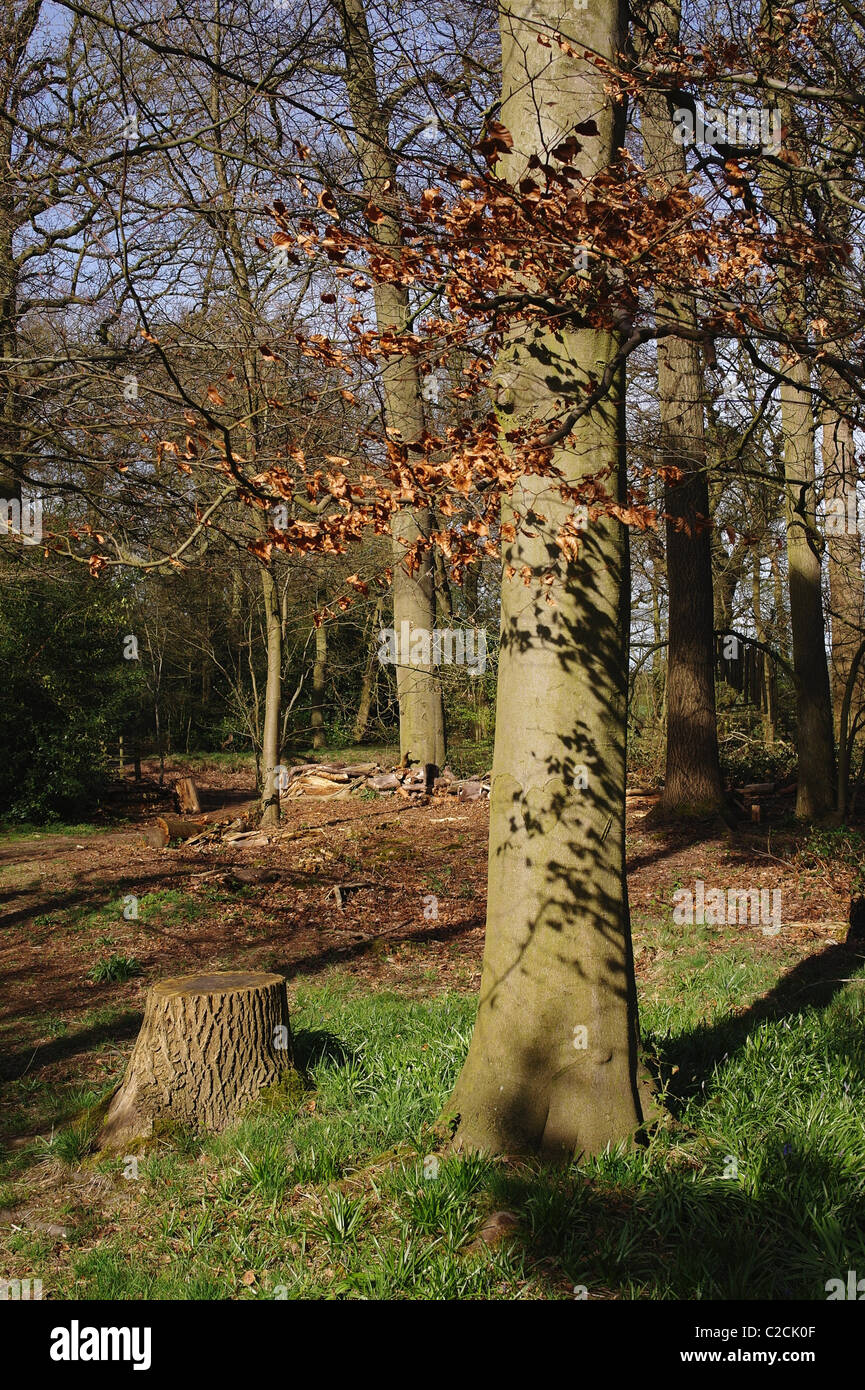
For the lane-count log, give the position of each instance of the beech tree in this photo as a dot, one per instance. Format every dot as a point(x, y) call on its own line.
point(814, 724)
point(692, 782)
point(553, 1061)
point(421, 712)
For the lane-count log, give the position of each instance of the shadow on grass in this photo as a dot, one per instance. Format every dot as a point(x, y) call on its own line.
point(312, 1046)
point(675, 1234)
point(33, 1059)
point(387, 941)
point(811, 984)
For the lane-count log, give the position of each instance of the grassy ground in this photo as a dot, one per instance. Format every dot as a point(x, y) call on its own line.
point(754, 1187)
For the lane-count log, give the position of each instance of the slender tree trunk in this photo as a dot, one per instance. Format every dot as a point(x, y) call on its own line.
point(364, 704)
point(421, 711)
point(471, 586)
point(769, 712)
point(814, 723)
point(272, 700)
point(552, 1065)
point(693, 775)
point(319, 676)
point(444, 601)
point(844, 548)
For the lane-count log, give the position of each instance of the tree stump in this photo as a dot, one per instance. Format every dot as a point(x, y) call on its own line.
point(187, 797)
point(208, 1045)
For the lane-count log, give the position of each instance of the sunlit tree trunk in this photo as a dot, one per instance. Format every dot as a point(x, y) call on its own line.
point(553, 1065)
point(319, 678)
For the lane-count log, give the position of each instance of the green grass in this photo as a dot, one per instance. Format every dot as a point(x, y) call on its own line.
point(753, 1187)
point(162, 907)
point(114, 969)
point(27, 830)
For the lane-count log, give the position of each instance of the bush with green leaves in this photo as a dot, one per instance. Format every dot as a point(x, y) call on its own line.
point(67, 691)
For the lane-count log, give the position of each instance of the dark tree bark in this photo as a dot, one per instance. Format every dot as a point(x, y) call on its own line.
point(692, 783)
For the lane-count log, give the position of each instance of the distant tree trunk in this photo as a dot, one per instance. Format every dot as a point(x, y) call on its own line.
point(815, 744)
point(846, 592)
point(814, 724)
point(471, 586)
point(769, 712)
point(693, 775)
point(552, 1066)
point(319, 679)
point(729, 571)
point(370, 672)
point(421, 710)
point(659, 665)
point(272, 698)
point(444, 602)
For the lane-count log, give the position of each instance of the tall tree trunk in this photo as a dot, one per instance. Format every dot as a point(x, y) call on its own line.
point(421, 710)
point(815, 744)
point(471, 587)
point(768, 695)
point(552, 1065)
point(364, 704)
point(444, 601)
point(844, 547)
point(319, 676)
point(693, 775)
point(234, 252)
point(272, 699)
point(814, 726)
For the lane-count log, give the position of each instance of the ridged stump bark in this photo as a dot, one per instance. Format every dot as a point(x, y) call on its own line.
point(208, 1045)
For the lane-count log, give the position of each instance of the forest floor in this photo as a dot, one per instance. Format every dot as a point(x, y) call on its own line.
point(382, 994)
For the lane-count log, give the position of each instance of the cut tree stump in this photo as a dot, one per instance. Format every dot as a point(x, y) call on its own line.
point(208, 1045)
point(187, 797)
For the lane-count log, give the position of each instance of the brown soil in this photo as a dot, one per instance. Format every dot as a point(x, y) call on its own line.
point(389, 858)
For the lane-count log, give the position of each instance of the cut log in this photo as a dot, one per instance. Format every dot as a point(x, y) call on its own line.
point(187, 796)
point(384, 782)
point(247, 839)
point(208, 1045)
point(175, 828)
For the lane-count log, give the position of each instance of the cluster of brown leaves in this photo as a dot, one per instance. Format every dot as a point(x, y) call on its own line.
point(555, 252)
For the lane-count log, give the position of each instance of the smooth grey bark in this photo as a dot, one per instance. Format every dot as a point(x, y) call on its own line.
point(421, 708)
point(815, 744)
point(553, 1061)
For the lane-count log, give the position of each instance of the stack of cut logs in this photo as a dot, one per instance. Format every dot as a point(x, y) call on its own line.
point(334, 780)
point(339, 780)
point(328, 781)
